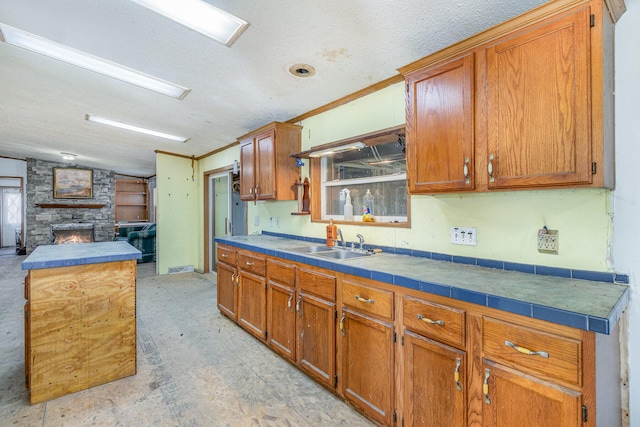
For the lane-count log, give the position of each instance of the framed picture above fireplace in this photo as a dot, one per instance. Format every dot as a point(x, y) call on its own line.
point(72, 183)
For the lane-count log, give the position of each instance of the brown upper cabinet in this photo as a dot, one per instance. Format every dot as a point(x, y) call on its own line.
point(267, 172)
point(526, 104)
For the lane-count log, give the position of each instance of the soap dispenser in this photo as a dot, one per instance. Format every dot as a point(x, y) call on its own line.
point(332, 233)
point(348, 207)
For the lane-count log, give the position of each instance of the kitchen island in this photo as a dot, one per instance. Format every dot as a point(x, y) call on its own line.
point(80, 317)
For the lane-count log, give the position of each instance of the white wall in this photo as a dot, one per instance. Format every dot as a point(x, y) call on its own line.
point(626, 220)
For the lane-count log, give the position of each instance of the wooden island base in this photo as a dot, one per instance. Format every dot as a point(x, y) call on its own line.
point(80, 327)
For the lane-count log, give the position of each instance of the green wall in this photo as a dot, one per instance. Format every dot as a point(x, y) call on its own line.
point(506, 222)
point(178, 202)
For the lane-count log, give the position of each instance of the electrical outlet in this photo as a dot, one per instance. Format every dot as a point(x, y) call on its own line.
point(464, 236)
point(270, 221)
point(548, 241)
point(277, 222)
point(256, 221)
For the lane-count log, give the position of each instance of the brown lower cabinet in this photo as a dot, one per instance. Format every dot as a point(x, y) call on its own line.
point(405, 357)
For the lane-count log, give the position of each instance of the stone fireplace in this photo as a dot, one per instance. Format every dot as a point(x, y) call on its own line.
point(44, 211)
point(62, 234)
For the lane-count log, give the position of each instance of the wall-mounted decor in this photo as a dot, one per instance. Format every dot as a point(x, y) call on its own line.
point(72, 183)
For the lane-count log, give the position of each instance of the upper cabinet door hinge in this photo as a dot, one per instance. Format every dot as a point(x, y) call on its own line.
point(395, 417)
point(593, 20)
point(335, 380)
point(395, 337)
point(585, 415)
point(594, 168)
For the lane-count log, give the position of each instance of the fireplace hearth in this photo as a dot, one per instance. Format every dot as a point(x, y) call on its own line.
point(62, 234)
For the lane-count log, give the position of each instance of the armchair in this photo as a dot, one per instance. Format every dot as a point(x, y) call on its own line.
point(145, 241)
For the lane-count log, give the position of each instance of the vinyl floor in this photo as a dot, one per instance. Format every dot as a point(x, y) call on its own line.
point(194, 368)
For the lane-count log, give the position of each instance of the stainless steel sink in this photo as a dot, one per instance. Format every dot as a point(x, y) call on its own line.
point(343, 254)
point(310, 249)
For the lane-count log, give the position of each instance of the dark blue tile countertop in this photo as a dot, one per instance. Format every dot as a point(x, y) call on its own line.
point(50, 256)
point(584, 304)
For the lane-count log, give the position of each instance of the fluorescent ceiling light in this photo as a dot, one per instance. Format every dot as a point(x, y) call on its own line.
point(339, 149)
point(68, 156)
point(200, 16)
point(102, 120)
point(81, 59)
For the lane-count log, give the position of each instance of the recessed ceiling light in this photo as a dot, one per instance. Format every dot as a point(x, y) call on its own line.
point(68, 156)
point(108, 122)
point(302, 70)
point(84, 60)
point(200, 16)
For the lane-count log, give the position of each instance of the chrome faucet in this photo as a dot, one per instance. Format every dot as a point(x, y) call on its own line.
point(341, 239)
point(361, 238)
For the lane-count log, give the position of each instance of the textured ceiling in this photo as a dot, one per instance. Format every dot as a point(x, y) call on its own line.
point(351, 44)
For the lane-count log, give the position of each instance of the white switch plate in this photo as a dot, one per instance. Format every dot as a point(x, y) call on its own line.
point(464, 236)
point(256, 221)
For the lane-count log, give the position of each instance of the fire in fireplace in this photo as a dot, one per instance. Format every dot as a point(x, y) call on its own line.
point(62, 234)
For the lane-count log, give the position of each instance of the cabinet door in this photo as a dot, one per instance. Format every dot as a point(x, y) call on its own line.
point(538, 103)
point(247, 164)
point(367, 364)
point(512, 398)
point(227, 290)
point(440, 128)
point(434, 383)
point(265, 172)
point(252, 304)
point(317, 338)
point(281, 320)
point(27, 346)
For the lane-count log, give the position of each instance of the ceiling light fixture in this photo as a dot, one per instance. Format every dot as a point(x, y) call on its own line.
point(201, 17)
point(84, 60)
point(68, 156)
point(339, 149)
point(102, 120)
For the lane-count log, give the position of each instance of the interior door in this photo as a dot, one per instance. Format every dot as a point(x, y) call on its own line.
point(11, 213)
point(219, 213)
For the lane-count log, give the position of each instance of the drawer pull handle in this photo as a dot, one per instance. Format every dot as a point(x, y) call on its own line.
point(456, 375)
point(490, 168)
point(298, 303)
point(342, 325)
point(359, 298)
point(289, 303)
point(249, 263)
point(485, 387)
point(465, 170)
point(524, 350)
point(432, 322)
point(233, 278)
point(224, 255)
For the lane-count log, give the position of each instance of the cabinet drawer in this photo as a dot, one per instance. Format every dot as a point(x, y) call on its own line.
point(528, 349)
point(439, 322)
point(254, 264)
point(366, 299)
point(281, 272)
point(226, 255)
point(322, 285)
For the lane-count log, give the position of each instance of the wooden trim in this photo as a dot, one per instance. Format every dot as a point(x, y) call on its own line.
point(346, 99)
point(616, 9)
point(69, 206)
point(13, 158)
point(174, 154)
point(211, 153)
point(269, 127)
point(124, 176)
point(534, 16)
point(371, 138)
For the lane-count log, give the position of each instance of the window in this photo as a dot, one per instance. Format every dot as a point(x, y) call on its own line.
point(379, 168)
